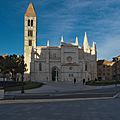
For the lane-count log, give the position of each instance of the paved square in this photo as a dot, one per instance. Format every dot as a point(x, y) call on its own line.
point(74, 110)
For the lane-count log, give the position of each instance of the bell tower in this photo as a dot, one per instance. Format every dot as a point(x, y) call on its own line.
point(29, 36)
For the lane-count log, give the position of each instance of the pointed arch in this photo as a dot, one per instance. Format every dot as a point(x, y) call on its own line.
point(86, 67)
point(40, 66)
point(55, 73)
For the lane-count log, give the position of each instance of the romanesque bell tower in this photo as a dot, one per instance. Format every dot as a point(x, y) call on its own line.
point(29, 36)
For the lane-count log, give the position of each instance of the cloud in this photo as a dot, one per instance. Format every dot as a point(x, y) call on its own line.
point(100, 19)
point(109, 47)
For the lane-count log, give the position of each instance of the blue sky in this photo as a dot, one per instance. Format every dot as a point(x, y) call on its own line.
point(99, 18)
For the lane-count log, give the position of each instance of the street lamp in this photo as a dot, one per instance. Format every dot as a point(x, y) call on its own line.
point(22, 90)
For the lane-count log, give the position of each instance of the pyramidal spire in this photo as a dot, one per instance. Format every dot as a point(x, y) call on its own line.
point(76, 41)
point(86, 46)
point(62, 39)
point(30, 11)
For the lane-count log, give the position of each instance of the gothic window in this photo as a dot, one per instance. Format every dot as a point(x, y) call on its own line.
point(40, 66)
point(31, 23)
point(28, 22)
point(30, 42)
point(30, 33)
point(85, 67)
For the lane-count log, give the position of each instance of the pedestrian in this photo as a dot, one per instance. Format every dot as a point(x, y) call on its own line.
point(83, 81)
point(74, 80)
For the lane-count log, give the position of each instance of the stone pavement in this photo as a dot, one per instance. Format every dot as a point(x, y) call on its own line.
point(61, 109)
point(66, 110)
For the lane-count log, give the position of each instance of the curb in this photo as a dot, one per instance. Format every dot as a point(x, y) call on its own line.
point(58, 96)
point(49, 100)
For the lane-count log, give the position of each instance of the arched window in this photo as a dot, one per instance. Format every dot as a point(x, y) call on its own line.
point(55, 74)
point(86, 67)
point(30, 42)
point(28, 22)
point(40, 66)
point(30, 33)
point(31, 23)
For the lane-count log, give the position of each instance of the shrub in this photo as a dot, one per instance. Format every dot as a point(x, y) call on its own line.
point(103, 82)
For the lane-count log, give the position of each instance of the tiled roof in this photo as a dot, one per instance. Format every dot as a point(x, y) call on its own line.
point(104, 62)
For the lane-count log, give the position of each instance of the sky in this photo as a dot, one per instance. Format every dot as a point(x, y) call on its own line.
point(70, 18)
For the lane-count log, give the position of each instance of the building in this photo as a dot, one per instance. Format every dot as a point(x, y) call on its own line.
point(104, 69)
point(66, 62)
point(116, 68)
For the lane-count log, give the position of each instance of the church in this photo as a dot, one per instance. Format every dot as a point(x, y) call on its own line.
point(66, 62)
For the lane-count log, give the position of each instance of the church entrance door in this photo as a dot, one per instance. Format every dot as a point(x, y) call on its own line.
point(55, 74)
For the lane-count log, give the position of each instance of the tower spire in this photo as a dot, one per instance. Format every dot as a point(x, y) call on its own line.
point(93, 52)
point(30, 11)
point(86, 46)
point(48, 43)
point(76, 41)
point(62, 39)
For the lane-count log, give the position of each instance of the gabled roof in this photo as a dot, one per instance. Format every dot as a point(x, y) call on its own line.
point(30, 11)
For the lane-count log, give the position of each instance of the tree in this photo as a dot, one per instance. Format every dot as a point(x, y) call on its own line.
point(12, 64)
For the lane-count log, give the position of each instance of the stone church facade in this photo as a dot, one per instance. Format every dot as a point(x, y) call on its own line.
point(66, 62)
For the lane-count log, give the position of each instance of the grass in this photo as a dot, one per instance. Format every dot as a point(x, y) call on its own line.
point(27, 85)
point(103, 82)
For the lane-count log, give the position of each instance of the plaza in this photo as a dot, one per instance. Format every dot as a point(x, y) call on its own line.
point(108, 109)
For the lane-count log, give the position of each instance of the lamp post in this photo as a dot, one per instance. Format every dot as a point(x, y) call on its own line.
point(22, 90)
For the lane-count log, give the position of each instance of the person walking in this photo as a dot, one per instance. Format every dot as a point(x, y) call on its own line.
point(83, 81)
point(74, 80)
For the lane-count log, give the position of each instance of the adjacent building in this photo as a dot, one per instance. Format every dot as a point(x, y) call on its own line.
point(65, 62)
point(104, 69)
point(116, 68)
